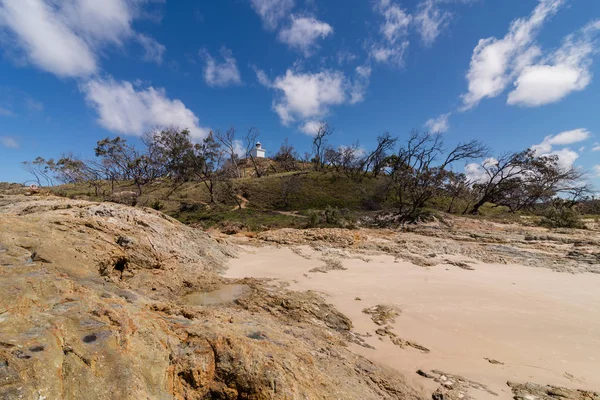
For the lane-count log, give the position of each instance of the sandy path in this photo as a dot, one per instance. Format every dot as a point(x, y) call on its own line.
point(543, 325)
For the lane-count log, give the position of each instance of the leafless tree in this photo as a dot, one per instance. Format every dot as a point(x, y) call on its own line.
point(375, 161)
point(319, 144)
point(286, 156)
point(420, 169)
point(250, 140)
point(231, 148)
point(522, 179)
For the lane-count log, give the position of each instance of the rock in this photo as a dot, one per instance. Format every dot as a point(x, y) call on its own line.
point(529, 391)
point(107, 316)
point(125, 197)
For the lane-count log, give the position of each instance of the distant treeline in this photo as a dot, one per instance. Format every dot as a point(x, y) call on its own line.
point(410, 171)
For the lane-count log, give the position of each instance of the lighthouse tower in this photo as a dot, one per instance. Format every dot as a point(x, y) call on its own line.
point(258, 151)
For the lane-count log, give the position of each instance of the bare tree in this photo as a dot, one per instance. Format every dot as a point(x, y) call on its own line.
point(319, 144)
point(251, 140)
point(231, 148)
point(375, 161)
point(286, 156)
point(522, 179)
point(41, 170)
point(420, 169)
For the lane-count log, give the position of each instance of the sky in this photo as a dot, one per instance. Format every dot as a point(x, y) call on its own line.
point(514, 74)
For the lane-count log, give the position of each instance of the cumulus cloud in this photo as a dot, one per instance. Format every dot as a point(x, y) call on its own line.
point(431, 20)
point(64, 38)
point(310, 127)
point(225, 73)
point(566, 156)
point(303, 33)
point(563, 72)
point(394, 32)
point(126, 109)
point(495, 61)
point(9, 142)
point(439, 124)
point(596, 169)
point(305, 97)
point(476, 173)
point(153, 50)
point(561, 139)
point(272, 11)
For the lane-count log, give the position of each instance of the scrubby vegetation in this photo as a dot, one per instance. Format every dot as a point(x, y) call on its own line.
point(218, 181)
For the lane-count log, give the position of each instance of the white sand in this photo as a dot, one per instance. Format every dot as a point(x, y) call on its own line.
point(541, 324)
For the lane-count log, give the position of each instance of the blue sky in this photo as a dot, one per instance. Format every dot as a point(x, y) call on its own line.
point(512, 73)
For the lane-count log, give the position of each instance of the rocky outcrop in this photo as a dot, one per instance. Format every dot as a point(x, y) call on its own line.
point(95, 304)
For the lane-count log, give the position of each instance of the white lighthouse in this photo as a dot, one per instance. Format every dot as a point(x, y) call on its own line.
point(258, 151)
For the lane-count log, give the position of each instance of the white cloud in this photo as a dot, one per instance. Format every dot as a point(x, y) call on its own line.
point(475, 172)
point(439, 124)
point(561, 139)
point(46, 39)
point(153, 50)
point(430, 21)
point(596, 147)
point(224, 73)
point(64, 37)
point(394, 31)
point(123, 108)
point(272, 11)
point(303, 33)
point(360, 84)
point(566, 157)
point(563, 72)
point(9, 142)
point(596, 169)
point(308, 96)
point(238, 148)
point(495, 61)
point(310, 127)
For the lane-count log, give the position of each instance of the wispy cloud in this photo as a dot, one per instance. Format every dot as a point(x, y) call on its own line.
point(272, 12)
point(65, 38)
point(9, 142)
point(221, 73)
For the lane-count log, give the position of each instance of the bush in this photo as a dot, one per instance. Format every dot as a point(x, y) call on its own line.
point(330, 217)
point(157, 205)
point(558, 216)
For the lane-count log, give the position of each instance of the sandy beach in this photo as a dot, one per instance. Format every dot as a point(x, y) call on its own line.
point(490, 323)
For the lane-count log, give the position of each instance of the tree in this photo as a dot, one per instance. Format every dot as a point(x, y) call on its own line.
point(231, 147)
point(375, 161)
point(522, 179)
point(319, 144)
point(286, 156)
point(173, 149)
point(250, 140)
point(41, 170)
point(129, 163)
point(419, 170)
point(207, 160)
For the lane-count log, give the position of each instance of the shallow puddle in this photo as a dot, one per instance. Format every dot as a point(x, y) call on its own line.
point(226, 294)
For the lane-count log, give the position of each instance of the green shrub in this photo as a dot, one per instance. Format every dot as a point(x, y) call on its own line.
point(157, 205)
point(558, 216)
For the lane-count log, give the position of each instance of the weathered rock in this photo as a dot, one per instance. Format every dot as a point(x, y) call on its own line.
point(530, 391)
point(100, 313)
